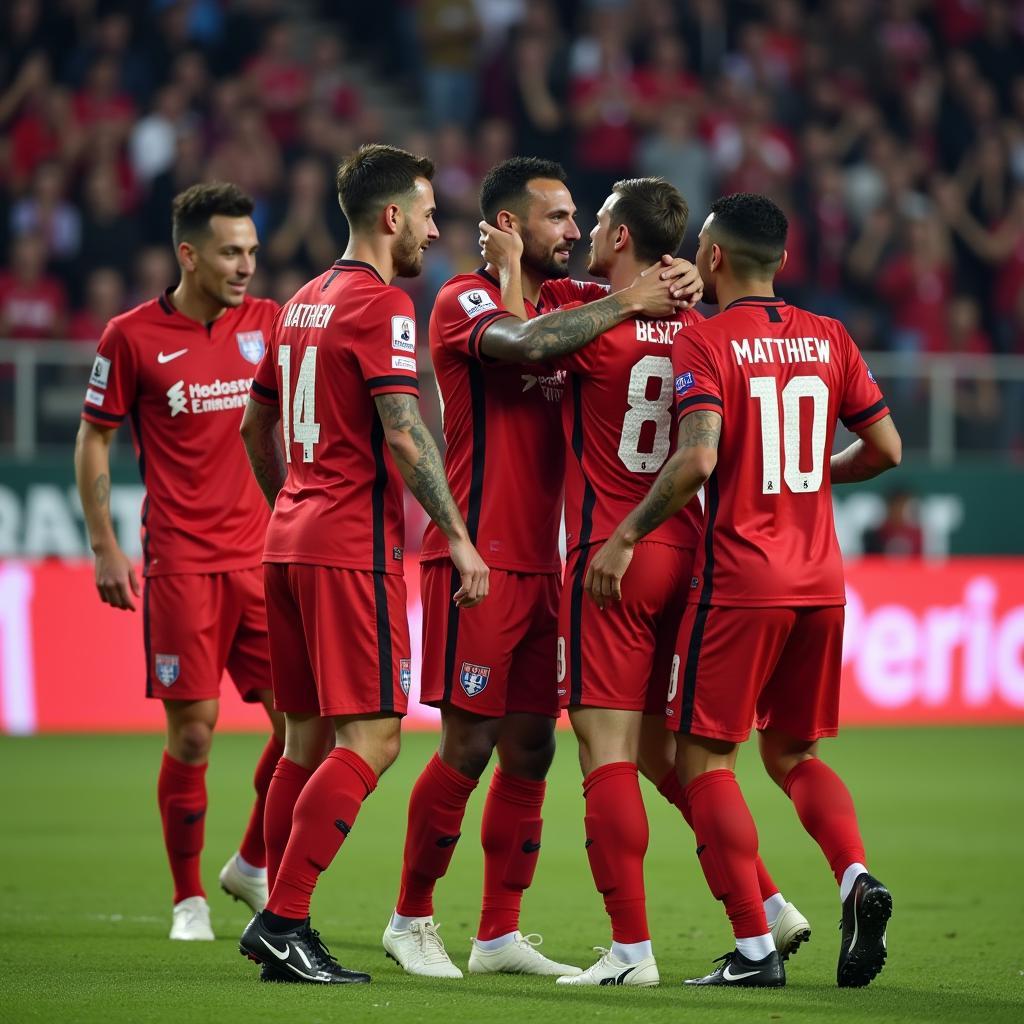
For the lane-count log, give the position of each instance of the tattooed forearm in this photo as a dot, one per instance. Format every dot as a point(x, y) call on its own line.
point(554, 334)
point(101, 492)
point(268, 466)
point(419, 461)
point(700, 430)
point(659, 504)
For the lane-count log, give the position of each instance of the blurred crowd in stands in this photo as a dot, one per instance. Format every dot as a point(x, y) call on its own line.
point(892, 132)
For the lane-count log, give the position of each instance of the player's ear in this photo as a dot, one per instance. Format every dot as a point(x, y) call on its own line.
point(782, 262)
point(716, 255)
point(392, 218)
point(187, 256)
point(621, 238)
point(506, 221)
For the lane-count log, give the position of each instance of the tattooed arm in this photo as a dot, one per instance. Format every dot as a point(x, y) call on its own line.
point(419, 462)
point(876, 449)
point(263, 446)
point(680, 479)
point(115, 576)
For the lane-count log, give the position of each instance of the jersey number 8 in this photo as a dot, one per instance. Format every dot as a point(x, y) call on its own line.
point(657, 410)
point(298, 418)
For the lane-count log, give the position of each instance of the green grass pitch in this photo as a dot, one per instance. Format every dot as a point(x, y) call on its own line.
point(85, 894)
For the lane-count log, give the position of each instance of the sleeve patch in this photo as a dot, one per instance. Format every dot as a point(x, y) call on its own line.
point(94, 397)
point(403, 363)
point(403, 334)
point(100, 372)
point(683, 383)
point(476, 301)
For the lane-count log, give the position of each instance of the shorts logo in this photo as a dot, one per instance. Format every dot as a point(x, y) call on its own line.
point(694, 582)
point(100, 372)
point(405, 674)
point(168, 668)
point(474, 678)
point(683, 383)
point(251, 345)
point(397, 552)
point(673, 680)
point(476, 302)
point(403, 334)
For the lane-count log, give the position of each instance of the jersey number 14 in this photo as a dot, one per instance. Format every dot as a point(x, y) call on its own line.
point(298, 411)
point(782, 461)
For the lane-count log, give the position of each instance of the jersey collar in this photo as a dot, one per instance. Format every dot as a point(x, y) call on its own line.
point(756, 300)
point(482, 272)
point(357, 265)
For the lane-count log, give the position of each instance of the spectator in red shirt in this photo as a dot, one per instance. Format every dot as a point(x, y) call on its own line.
point(104, 299)
point(279, 81)
point(33, 304)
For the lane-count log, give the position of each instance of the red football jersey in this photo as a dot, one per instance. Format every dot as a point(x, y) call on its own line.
point(618, 422)
point(184, 385)
point(503, 463)
point(780, 377)
point(344, 338)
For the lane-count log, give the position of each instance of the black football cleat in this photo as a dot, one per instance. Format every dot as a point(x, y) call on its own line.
point(299, 954)
point(735, 970)
point(862, 952)
point(270, 974)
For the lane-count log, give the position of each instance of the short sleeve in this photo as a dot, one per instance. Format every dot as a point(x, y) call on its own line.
point(385, 345)
point(463, 312)
point(698, 384)
point(862, 402)
point(264, 384)
point(562, 292)
point(113, 381)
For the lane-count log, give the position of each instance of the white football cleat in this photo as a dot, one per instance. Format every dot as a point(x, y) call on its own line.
point(790, 930)
point(611, 971)
point(191, 920)
point(520, 956)
point(419, 950)
point(250, 889)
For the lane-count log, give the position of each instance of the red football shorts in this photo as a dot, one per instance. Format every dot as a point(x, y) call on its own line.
point(777, 668)
point(196, 625)
point(497, 658)
point(339, 640)
point(620, 657)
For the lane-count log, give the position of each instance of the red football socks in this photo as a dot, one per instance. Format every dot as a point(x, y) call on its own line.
point(437, 805)
point(826, 810)
point(727, 849)
point(672, 790)
point(324, 815)
point(285, 787)
point(510, 834)
point(252, 848)
point(181, 795)
point(617, 837)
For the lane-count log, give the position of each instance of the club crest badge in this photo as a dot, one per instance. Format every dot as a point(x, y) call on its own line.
point(405, 674)
point(251, 345)
point(168, 668)
point(474, 678)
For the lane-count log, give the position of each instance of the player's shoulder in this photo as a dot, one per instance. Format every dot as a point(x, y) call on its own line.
point(468, 296)
point(557, 292)
point(140, 321)
point(254, 305)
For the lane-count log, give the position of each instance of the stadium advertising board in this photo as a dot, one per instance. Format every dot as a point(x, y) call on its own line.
point(925, 643)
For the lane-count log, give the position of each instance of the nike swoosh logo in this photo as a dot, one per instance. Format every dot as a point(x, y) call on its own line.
point(530, 846)
point(448, 840)
point(273, 949)
point(729, 976)
point(161, 358)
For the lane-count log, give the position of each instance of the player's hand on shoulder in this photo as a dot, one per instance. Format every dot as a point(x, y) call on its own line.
point(687, 284)
point(653, 292)
point(500, 247)
point(115, 579)
point(474, 576)
point(604, 574)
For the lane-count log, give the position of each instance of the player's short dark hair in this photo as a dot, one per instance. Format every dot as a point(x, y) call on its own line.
point(655, 212)
point(192, 209)
point(376, 175)
point(505, 187)
point(752, 230)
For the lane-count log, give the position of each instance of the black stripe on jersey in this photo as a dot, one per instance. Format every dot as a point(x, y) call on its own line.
point(146, 643)
point(385, 664)
point(330, 280)
point(110, 417)
point(773, 314)
point(165, 302)
point(851, 421)
point(478, 328)
point(482, 272)
point(451, 636)
point(393, 381)
point(137, 427)
point(477, 397)
point(358, 265)
point(688, 403)
point(380, 484)
point(586, 528)
point(263, 391)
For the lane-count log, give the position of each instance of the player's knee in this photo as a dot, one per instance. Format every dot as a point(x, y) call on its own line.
point(469, 756)
point(191, 742)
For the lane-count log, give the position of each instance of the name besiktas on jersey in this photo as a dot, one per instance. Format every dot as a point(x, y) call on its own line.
point(213, 397)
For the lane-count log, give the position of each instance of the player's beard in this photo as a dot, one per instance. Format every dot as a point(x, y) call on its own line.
point(407, 254)
point(540, 260)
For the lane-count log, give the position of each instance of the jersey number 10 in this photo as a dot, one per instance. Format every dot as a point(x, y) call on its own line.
point(785, 464)
point(298, 411)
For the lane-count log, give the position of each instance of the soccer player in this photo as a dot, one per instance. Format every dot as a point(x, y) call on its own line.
point(760, 388)
point(332, 431)
point(491, 670)
point(179, 367)
point(613, 666)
